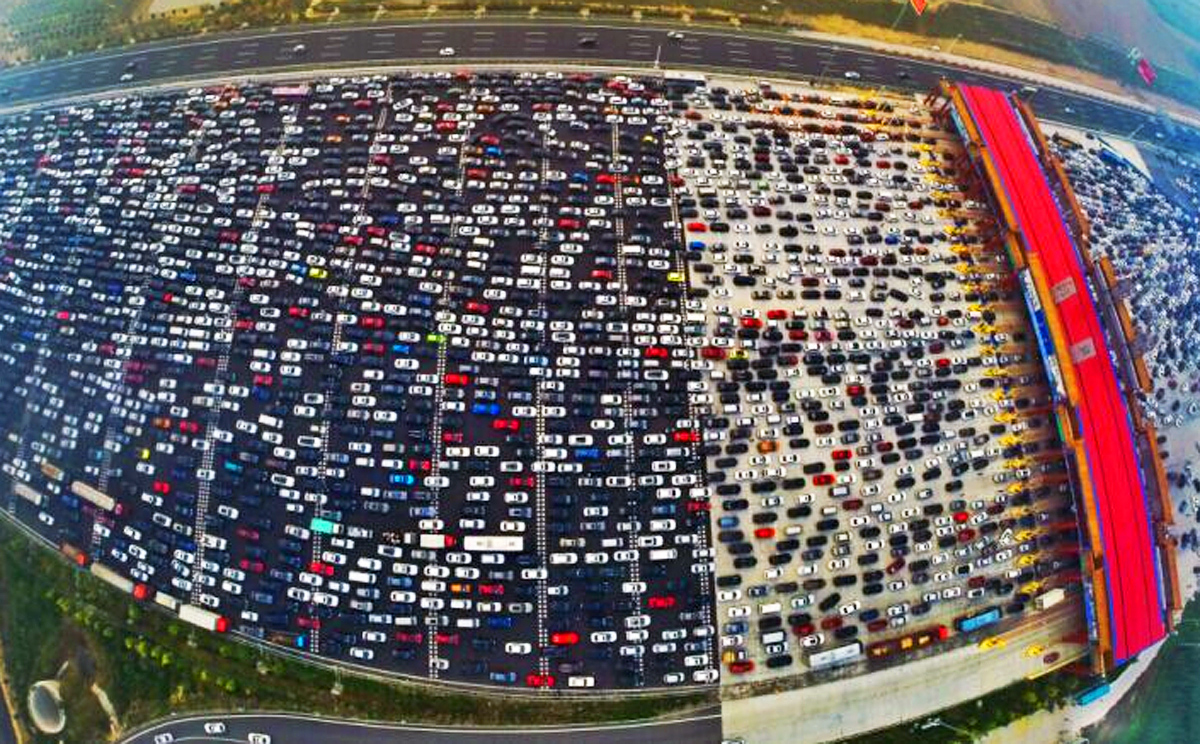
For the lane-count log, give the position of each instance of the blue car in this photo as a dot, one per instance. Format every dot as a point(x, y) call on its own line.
point(500, 622)
point(486, 409)
point(503, 678)
point(402, 479)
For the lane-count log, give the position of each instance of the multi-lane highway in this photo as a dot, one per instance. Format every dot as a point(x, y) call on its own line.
point(615, 44)
point(288, 729)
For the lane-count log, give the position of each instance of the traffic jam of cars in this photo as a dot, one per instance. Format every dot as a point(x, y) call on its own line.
point(542, 380)
point(884, 465)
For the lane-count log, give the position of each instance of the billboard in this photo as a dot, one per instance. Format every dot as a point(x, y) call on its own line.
point(919, 5)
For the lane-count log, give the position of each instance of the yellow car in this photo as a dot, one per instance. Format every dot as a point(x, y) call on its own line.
point(987, 644)
point(316, 272)
point(1034, 650)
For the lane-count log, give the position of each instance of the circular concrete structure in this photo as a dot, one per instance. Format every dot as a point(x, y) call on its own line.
point(46, 708)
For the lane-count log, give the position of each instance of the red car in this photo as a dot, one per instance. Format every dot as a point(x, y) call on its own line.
point(741, 667)
point(764, 533)
point(777, 314)
point(305, 621)
point(321, 569)
point(416, 637)
point(564, 638)
point(447, 639)
point(250, 566)
point(506, 424)
point(685, 436)
point(713, 352)
point(539, 680)
point(247, 533)
point(453, 378)
point(665, 602)
point(491, 589)
point(824, 479)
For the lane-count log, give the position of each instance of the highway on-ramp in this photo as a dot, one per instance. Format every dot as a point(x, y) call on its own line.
point(292, 729)
point(616, 43)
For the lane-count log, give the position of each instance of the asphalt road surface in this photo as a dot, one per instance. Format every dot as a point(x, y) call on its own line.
point(7, 734)
point(615, 43)
point(285, 729)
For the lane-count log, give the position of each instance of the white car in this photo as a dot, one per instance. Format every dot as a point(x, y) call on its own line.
point(851, 75)
point(127, 77)
point(259, 738)
point(446, 52)
point(214, 727)
point(166, 738)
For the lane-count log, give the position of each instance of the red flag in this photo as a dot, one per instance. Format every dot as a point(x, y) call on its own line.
point(1147, 71)
point(919, 5)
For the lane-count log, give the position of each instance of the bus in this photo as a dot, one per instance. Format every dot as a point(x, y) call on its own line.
point(835, 657)
point(325, 526)
point(968, 623)
point(95, 496)
point(30, 495)
point(203, 618)
point(494, 543)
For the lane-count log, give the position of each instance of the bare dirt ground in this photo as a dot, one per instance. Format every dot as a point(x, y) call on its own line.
point(1125, 23)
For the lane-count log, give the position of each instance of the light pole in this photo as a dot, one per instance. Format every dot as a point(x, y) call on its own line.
point(657, 54)
point(903, 7)
point(824, 69)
